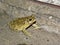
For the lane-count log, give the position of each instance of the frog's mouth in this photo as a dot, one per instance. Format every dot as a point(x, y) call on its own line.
point(31, 24)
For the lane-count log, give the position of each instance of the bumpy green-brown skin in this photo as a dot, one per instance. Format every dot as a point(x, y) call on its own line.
point(21, 23)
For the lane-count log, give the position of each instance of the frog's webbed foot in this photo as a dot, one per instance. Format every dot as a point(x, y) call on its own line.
point(26, 33)
point(35, 26)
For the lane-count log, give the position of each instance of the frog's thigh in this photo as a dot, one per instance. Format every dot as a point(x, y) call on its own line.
point(26, 32)
point(35, 26)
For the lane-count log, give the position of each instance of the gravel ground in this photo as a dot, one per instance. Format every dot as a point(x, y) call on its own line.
point(47, 17)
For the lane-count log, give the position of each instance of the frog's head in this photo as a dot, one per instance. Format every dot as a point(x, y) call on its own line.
point(31, 19)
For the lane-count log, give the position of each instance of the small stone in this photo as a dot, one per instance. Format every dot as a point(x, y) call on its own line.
point(48, 40)
point(22, 44)
point(50, 17)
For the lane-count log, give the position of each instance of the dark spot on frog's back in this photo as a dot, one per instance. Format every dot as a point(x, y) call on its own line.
point(30, 19)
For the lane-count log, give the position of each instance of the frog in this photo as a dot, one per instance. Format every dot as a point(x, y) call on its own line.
point(22, 24)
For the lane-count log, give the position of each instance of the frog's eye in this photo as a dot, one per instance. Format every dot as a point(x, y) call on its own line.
point(30, 19)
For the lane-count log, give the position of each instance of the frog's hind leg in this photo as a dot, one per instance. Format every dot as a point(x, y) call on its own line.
point(35, 26)
point(26, 33)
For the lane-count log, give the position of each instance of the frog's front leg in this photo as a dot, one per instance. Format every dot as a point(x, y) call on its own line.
point(35, 26)
point(26, 32)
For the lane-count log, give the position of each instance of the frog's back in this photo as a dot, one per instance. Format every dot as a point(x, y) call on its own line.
point(17, 23)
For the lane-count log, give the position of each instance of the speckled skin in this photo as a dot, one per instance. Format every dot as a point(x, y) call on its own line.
point(20, 24)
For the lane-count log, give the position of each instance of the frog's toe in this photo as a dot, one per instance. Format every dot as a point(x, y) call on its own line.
point(26, 33)
point(35, 26)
